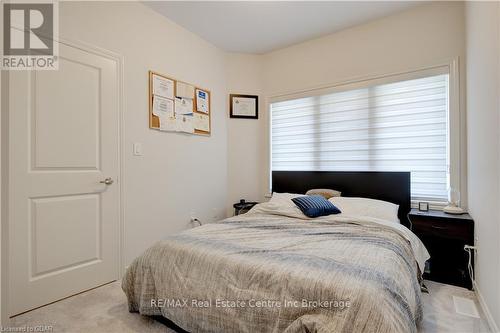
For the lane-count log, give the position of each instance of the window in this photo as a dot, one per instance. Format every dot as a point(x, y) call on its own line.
point(402, 125)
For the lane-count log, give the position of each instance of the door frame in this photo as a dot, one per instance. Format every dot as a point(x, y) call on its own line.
point(4, 172)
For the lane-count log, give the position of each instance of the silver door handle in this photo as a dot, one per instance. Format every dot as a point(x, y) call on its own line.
point(107, 181)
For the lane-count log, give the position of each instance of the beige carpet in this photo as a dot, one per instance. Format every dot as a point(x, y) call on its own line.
point(104, 310)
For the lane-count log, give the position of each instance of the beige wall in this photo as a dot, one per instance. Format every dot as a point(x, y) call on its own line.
point(178, 173)
point(246, 163)
point(483, 108)
point(424, 36)
point(420, 37)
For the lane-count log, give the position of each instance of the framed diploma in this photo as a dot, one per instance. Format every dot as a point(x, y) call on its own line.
point(244, 106)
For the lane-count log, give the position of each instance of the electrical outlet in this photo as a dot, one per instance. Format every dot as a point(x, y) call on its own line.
point(194, 221)
point(473, 248)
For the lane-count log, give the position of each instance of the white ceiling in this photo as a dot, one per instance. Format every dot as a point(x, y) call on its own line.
point(262, 26)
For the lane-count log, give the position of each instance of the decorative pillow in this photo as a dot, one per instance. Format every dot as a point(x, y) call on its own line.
point(367, 207)
point(315, 206)
point(324, 192)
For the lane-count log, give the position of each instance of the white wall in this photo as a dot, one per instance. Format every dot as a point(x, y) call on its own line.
point(423, 36)
point(418, 37)
point(178, 173)
point(483, 108)
point(246, 163)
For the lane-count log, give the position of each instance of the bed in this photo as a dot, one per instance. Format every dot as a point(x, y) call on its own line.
point(275, 270)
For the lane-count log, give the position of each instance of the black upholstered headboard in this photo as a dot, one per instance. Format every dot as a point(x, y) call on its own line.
point(388, 186)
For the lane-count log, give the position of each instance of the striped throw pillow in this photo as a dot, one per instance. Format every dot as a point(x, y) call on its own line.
point(315, 206)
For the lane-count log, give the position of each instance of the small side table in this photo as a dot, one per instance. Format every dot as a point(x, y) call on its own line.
point(243, 206)
point(445, 236)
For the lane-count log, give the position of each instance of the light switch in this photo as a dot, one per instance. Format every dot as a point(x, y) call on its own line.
point(137, 149)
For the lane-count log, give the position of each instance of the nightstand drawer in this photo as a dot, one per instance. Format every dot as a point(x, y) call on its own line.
point(442, 228)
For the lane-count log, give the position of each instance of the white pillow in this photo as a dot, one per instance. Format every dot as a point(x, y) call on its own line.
point(284, 198)
point(367, 207)
point(280, 204)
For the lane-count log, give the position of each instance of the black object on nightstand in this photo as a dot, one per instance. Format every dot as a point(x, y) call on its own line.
point(243, 206)
point(445, 236)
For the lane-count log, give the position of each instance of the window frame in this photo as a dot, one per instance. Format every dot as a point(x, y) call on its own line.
point(454, 120)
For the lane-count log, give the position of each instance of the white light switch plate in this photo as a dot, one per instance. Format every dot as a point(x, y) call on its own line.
point(137, 149)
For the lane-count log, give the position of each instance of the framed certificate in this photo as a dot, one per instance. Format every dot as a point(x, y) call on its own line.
point(244, 106)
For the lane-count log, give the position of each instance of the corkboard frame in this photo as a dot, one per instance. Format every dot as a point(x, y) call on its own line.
point(154, 121)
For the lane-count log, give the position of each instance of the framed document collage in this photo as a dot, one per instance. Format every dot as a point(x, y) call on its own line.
point(176, 106)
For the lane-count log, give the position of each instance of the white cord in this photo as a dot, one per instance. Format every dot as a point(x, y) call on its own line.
point(468, 249)
point(408, 219)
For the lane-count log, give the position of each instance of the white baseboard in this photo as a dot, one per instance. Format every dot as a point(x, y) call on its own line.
point(489, 318)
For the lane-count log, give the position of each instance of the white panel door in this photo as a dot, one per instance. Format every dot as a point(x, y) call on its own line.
point(64, 141)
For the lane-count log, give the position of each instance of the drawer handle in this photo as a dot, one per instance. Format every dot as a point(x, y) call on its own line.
point(436, 227)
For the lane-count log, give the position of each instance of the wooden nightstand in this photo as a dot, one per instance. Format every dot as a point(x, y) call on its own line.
point(243, 206)
point(444, 236)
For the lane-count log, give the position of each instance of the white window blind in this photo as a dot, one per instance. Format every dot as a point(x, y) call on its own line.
point(401, 126)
